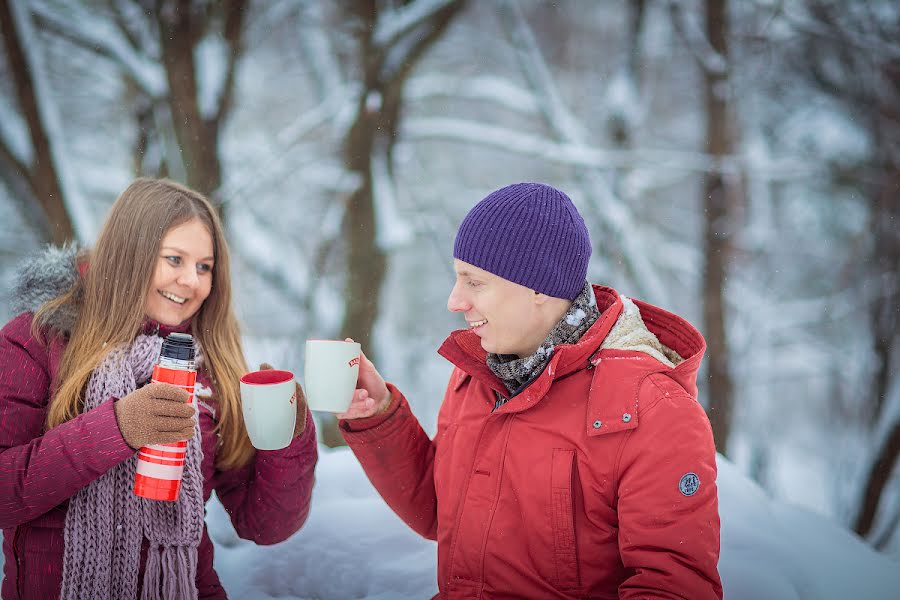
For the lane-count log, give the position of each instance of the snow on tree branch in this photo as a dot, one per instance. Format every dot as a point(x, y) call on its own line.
point(497, 90)
point(395, 23)
point(706, 56)
point(14, 138)
point(95, 34)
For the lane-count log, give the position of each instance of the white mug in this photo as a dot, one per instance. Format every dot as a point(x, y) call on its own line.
point(269, 404)
point(332, 367)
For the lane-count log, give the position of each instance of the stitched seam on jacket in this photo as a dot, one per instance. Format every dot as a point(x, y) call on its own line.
point(487, 533)
point(462, 504)
point(650, 406)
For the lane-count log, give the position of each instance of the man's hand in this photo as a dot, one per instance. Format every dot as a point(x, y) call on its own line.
point(371, 396)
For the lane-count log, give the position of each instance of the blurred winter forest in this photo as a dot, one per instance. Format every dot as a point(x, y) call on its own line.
point(736, 162)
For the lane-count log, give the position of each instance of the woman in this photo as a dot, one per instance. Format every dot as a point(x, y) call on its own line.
point(75, 405)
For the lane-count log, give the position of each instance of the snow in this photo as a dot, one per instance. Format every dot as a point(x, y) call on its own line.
point(394, 23)
point(484, 88)
point(14, 134)
point(109, 41)
point(353, 546)
point(211, 64)
point(392, 231)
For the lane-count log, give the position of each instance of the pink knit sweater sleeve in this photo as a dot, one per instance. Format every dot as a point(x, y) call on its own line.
point(39, 470)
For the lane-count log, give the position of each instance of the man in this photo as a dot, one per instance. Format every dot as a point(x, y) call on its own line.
point(572, 459)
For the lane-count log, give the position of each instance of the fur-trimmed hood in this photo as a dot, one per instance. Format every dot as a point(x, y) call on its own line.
point(44, 276)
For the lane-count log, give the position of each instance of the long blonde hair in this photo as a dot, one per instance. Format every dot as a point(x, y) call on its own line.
point(109, 299)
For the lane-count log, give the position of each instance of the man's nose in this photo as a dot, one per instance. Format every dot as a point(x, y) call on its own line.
point(457, 302)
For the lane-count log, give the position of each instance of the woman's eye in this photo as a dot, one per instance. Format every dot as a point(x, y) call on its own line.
point(204, 268)
point(174, 260)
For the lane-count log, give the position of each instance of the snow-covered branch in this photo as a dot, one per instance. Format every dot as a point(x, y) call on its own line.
point(94, 34)
point(395, 23)
point(573, 154)
point(706, 56)
point(14, 142)
point(501, 91)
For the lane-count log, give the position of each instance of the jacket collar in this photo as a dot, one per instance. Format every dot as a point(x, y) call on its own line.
point(463, 349)
point(152, 327)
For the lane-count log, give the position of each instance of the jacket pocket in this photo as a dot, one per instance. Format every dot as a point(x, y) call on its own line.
point(565, 555)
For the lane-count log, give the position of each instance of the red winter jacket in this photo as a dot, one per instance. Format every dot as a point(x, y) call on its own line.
point(596, 481)
point(267, 500)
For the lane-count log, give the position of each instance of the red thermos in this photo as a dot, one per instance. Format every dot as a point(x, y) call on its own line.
point(160, 466)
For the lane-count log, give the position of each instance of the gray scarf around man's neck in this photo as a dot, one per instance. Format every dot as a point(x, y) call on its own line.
point(106, 522)
point(516, 372)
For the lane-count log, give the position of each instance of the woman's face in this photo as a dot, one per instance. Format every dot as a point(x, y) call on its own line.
point(182, 278)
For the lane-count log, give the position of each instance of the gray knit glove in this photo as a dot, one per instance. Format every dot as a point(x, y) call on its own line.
point(158, 413)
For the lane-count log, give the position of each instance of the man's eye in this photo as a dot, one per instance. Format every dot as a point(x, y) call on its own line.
point(175, 260)
point(474, 284)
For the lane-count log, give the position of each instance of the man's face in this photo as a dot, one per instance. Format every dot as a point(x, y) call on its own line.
point(502, 313)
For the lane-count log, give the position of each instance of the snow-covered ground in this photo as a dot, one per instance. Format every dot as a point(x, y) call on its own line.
point(353, 546)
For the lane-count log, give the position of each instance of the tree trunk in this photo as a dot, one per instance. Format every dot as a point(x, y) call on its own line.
point(375, 130)
point(717, 230)
point(179, 32)
point(879, 475)
point(883, 318)
point(41, 175)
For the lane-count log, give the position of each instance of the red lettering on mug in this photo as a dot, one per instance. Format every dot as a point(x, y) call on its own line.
point(354, 361)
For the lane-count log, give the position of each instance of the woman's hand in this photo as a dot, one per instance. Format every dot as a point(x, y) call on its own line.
point(300, 423)
point(371, 396)
point(158, 413)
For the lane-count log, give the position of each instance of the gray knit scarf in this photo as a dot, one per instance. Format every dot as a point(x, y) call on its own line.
point(517, 372)
point(106, 523)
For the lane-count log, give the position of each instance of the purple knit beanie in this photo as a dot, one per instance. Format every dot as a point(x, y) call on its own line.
point(530, 234)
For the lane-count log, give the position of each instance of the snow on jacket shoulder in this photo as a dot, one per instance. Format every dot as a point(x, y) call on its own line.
point(596, 481)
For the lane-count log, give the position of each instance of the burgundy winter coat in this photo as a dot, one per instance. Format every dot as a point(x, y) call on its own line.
point(267, 500)
point(596, 481)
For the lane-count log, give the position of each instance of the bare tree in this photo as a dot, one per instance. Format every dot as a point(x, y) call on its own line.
point(390, 43)
point(156, 46)
point(850, 53)
point(37, 176)
point(721, 195)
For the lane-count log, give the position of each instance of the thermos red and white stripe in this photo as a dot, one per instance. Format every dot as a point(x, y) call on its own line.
point(160, 466)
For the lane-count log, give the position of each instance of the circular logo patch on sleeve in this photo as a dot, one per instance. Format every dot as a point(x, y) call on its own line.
point(689, 484)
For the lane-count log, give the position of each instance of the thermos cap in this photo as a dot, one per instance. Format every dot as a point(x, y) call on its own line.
point(178, 346)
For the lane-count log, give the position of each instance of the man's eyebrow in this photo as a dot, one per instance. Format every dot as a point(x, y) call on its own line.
point(180, 251)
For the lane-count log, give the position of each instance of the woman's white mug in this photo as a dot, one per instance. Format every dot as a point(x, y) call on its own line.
point(269, 404)
point(332, 367)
